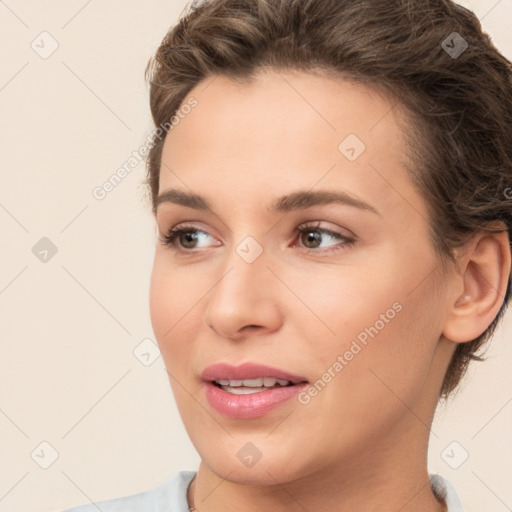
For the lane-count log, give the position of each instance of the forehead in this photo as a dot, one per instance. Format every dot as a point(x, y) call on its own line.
point(297, 102)
point(286, 130)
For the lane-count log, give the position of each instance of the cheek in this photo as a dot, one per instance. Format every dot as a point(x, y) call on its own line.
point(173, 295)
point(383, 332)
point(338, 305)
point(174, 321)
point(386, 364)
point(161, 301)
point(173, 302)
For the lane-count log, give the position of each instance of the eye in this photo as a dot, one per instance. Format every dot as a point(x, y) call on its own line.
point(184, 236)
point(317, 235)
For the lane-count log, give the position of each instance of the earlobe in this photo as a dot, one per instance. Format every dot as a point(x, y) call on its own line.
point(484, 272)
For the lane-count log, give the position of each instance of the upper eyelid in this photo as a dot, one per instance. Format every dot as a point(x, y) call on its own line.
point(312, 225)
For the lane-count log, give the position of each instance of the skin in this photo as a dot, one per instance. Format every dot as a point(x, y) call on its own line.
point(361, 443)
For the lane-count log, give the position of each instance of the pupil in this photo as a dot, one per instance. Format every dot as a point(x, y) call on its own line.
point(191, 237)
point(313, 237)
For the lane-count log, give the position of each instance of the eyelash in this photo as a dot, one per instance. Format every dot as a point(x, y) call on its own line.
point(172, 236)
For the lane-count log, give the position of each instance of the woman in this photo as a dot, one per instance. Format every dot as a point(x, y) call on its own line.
point(329, 182)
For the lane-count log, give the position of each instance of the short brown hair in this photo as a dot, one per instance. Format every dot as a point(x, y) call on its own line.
point(458, 98)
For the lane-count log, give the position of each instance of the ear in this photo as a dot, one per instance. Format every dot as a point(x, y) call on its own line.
point(484, 273)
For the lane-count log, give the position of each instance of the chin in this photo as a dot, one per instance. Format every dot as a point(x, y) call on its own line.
point(260, 474)
point(272, 466)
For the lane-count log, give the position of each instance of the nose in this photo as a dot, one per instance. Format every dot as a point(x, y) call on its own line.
point(245, 299)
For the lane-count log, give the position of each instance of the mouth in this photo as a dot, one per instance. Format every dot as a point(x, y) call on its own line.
point(250, 386)
point(249, 390)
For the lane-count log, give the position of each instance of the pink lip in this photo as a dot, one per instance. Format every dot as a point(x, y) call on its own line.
point(247, 371)
point(253, 405)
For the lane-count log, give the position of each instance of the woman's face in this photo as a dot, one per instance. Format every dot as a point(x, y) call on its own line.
point(354, 305)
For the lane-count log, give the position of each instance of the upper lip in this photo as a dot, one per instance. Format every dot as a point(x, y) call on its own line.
point(247, 371)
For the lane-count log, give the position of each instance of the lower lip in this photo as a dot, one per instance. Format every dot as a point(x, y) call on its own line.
point(249, 406)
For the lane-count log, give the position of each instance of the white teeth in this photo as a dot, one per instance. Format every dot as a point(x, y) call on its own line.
point(242, 391)
point(267, 382)
point(252, 383)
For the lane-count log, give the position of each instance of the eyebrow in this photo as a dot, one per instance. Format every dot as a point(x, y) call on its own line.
point(299, 200)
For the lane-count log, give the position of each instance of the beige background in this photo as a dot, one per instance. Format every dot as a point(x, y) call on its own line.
point(68, 374)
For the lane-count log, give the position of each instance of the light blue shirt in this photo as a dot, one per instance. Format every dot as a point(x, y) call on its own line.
point(171, 496)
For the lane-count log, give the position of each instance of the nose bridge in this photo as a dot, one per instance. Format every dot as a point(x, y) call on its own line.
point(242, 296)
point(244, 268)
